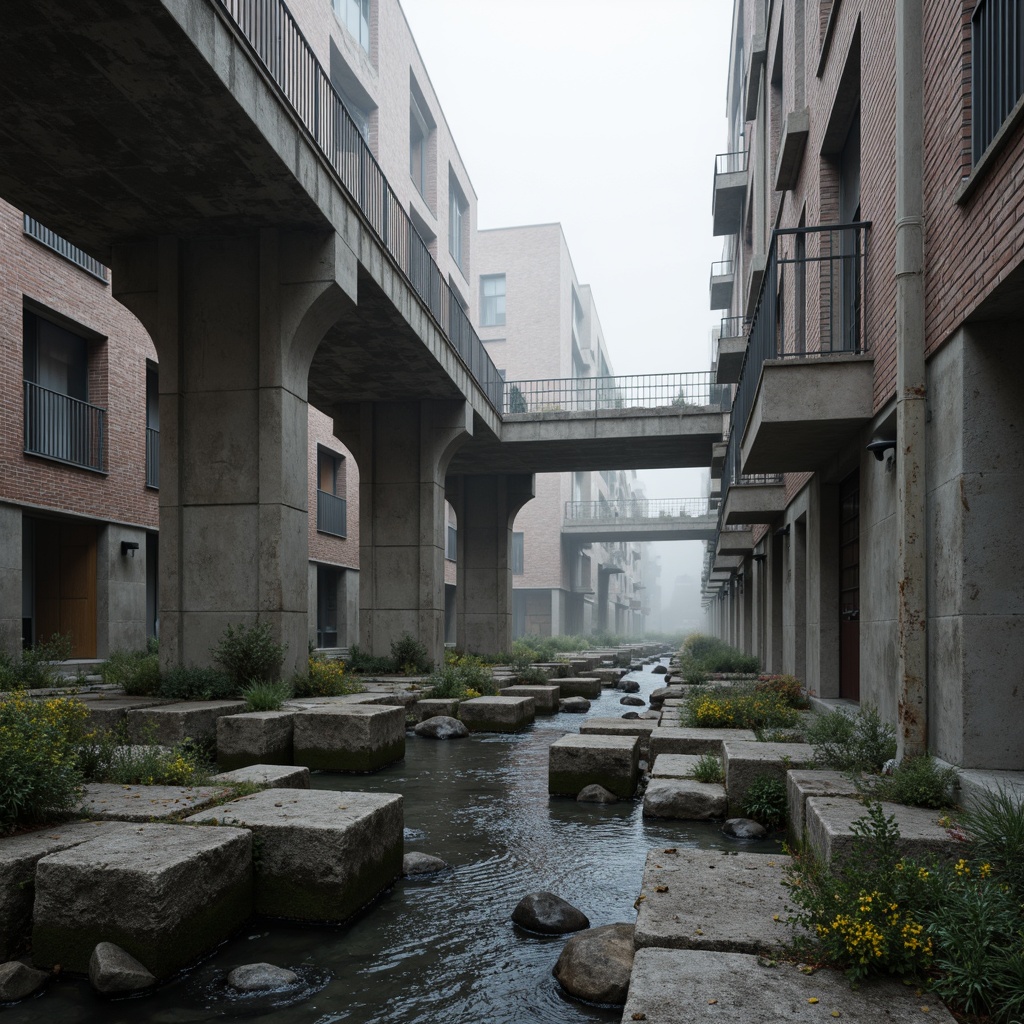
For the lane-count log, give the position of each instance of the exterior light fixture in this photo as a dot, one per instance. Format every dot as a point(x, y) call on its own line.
point(782, 531)
point(759, 556)
point(129, 547)
point(878, 446)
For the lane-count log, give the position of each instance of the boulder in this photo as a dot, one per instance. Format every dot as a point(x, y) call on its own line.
point(744, 828)
point(114, 972)
point(595, 794)
point(684, 800)
point(251, 978)
point(549, 914)
point(633, 702)
point(628, 686)
point(441, 727)
point(574, 705)
point(19, 981)
point(422, 864)
point(631, 715)
point(596, 964)
point(659, 670)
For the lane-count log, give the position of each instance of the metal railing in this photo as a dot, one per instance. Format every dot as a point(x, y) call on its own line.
point(721, 268)
point(733, 327)
point(639, 508)
point(997, 68)
point(275, 38)
point(63, 428)
point(62, 247)
point(152, 457)
point(730, 163)
point(331, 514)
point(696, 391)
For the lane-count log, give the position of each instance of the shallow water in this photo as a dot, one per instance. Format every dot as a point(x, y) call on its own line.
point(443, 948)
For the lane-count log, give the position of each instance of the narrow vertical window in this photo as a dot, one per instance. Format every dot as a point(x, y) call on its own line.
point(492, 300)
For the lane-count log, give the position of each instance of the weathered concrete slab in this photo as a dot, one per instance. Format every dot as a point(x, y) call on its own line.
point(254, 737)
point(745, 761)
point(114, 802)
point(684, 800)
point(712, 899)
point(828, 821)
point(674, 740)
point(18, 858)
point(173, 723)
point(545, 698)
point(804, 782)
point(674, 766)
point(349, 738)
point(432, 707)
point(276, 776)
point(579, 687)
point(497, 714)
point(608, 676)
point(620, 727)
point(166, 894)
point(323, 854)
point(592, 759)
point(736, 987)
point(108, 709)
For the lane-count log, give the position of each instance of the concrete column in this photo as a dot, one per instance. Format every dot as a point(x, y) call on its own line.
point(10, 579)
point(120, 589)
point(486, 507)
point(747, 600)
point(774, 588)
point(235, 321)
point(403, 450)
point(823, 588)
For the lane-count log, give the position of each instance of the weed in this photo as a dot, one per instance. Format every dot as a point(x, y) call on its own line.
point(917, 781)
point(862, 743)
point(325, 679)
point(410, 656)
point(190, 682)
point(765, 801)
point(735, 708)
point(709, 769)
point(266, 695)
point(136, 672)
point(249, 652)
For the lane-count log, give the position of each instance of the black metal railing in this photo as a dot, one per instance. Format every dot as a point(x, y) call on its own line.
point(997, 68)
point(152, 457)
point(62, 247)
point(733, 327)
point(63, 428)
point(685, 391)
point(639, 508)
point(275, 38)
point(331, 514)
point(730, 163)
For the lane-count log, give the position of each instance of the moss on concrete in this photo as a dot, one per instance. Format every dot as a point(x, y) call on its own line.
point(277, 755)
point(570, 783)
point(363, 761)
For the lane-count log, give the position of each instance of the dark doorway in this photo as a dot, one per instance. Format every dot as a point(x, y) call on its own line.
point(849, 587)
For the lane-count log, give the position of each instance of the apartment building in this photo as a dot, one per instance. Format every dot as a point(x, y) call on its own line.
point(871, 302)
point(539, 323)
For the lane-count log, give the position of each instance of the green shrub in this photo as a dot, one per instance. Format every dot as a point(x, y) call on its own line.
point(862, 743)
point(710, 654)
point(325, 679)
point(694, 676)
point(917, 781)
point(249, 652)
point(735, 707)
point(39, 741)
point(410, 656)
point(995, 831)
point(765, 801)
point(522, 656)
point(38, 667)
point(111, 758)
point(189, 682)
point(786, 686)
point(469, 678)
point(532, 676)
point(266, 695)
point(369, 664)
point(136, 672)
point(709, 769)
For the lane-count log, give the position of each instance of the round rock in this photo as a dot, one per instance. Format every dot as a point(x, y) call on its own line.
point(422, 864)
point(112, 971)
point(630, 714)
point(744, 828)
point(262, 978)
point(595, 794)
point(548, 914)
point(19, 981)
point(659, 695)
point(442, 727)
point(574, 705)
point(596, 964)
point(660, 670)
point(632, 702)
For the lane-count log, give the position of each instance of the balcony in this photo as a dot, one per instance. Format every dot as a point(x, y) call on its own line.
point(721, 284)
point(807, 383)
point(734, 540)
point(152, 458)
point(62, 247)
point(758, 59)
point(791, 149)
point(729, 193)
point(63, 428)
point(331, 514)
point(732, 347)
point(758, 498)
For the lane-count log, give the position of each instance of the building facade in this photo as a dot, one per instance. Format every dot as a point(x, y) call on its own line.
point(871, 292)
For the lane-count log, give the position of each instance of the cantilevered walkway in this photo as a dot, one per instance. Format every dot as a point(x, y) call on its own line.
point(640, 519)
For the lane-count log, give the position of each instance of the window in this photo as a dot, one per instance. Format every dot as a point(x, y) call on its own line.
point(458, 227)
point(355, 16)
point(997, 68)
point(418, 132)
point(517, 554)
point(59, 421)
point(331, 507)
point(453, 543)
point(492, 300)
point(152, 425)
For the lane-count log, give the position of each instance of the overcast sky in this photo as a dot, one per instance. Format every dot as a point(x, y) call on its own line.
point(606, 116)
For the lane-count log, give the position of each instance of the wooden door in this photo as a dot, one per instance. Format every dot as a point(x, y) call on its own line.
point(849, 587)
point(66, 584)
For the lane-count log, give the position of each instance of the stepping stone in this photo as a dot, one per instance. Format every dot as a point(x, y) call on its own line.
point(674, 740)
point(166, 894)
point(575, 762)
point(349, 738)
point(323, 855)
point(579, 687)
point(684, 800)
point(804, 782)
point(114, 802)
point(432, 707)
point(622, 727)
point(674, 766)
point(108, 710)
point(739, 987)
point(254, 737)
point(276, 776)
point(174, 723)
point(713, 899)
point(745, 761)
point(497, 714)
point(608, 676)
point(545, 698)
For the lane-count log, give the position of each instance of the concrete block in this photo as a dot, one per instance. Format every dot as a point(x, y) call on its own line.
point(497, 714)
point(684, 800)
point(746, 761)
point(713, 899)
point(254, 737)
point(643, 728)
point(276, 776)
point(432, 707)
point(545, 698)
point(829, 820)
point(108, 709)
point(674, 766)
point(323, 855)
point(802, 783)
point(146, 803)
point(579, 687)
point(608, 676)
point(593, 759)
point(349, 738)
point(672, 740)
point(166, 894)
point(173, 723)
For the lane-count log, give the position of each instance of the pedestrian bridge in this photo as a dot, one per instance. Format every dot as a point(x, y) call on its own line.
point(640, 519)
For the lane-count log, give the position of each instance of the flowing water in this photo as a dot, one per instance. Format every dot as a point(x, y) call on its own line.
point(441, 948)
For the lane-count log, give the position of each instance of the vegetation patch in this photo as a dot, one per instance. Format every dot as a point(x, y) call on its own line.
point(709, 769)
point(736, 707)
point(325, 678)
point(709, 654)
point(852, 744)
point(135, 672)
point(262, 695)
point(765, 801)
point(246, 653)
point(37, 668)
point(464, 677)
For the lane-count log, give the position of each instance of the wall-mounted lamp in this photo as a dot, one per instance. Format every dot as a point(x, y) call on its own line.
point(878, 446)
point(129, 547)
point(782, 531)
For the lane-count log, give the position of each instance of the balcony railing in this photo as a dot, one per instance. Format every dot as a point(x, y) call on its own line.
point(997, 68)
point(731, 163)
point(733, 327)
point(685, 391)
point(276, 40)
point(152, 457)
point(638, 508)
point(331, 514)
point(62, 247)
point(63, 428)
